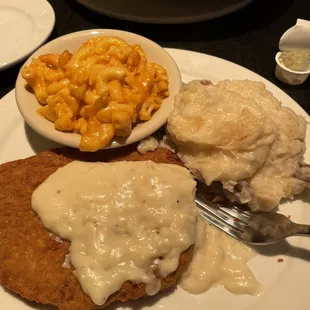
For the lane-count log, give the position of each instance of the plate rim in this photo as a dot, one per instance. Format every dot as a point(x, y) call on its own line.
point(41, 41)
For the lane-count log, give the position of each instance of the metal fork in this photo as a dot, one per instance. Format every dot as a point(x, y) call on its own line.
point(259, 228)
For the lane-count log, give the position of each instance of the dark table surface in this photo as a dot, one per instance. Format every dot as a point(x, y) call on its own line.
point(249, 37)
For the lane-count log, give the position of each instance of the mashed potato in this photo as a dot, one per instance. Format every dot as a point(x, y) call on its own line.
point(238, 133)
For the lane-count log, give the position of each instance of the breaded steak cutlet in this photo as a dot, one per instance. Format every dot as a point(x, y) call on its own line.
point(30, 258)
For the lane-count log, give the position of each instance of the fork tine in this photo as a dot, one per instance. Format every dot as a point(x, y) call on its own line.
point(237, 214)
point(220, 224)
point(248, 213)
point(225, 217)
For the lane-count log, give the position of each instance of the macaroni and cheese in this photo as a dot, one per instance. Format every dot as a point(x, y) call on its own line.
point(99, 91)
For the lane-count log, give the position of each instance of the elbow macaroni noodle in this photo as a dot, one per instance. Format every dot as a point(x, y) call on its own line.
point(99, 91)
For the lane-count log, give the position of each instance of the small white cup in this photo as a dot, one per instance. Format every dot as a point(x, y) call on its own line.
point(289, 76)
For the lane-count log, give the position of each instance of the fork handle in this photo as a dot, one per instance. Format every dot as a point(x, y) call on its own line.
point(302, 230)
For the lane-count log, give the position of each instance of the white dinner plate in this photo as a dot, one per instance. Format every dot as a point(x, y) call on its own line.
point(24, 26)
point(285, 285)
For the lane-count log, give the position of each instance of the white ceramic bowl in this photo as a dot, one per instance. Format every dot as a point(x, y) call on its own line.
point(28, 104)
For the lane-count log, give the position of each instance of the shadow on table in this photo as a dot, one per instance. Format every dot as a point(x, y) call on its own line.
point(37, 142)
point(256, 15)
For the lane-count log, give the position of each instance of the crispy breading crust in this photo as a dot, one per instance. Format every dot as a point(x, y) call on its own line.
point(30, 258)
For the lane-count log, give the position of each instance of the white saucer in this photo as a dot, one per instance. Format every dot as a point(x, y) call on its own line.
point(24, 26)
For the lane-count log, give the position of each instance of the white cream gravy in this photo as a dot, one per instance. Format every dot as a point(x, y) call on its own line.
point(219, 260)
point(124, 220)
point(148, 144)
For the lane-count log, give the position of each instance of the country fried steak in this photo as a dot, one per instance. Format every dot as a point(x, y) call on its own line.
point(31, 258)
